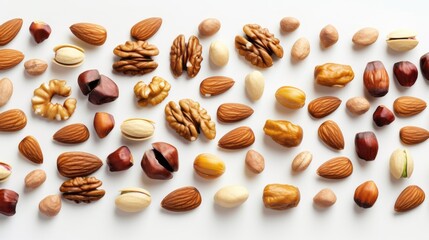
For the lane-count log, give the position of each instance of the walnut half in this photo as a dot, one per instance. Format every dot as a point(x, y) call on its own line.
point(186, 56)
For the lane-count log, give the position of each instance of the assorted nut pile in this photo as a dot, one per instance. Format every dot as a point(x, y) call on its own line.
point(188, 118)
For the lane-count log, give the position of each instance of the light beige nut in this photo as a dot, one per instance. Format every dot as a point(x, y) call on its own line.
point(68, 55)
point(402, 40)
point(153, 93)
point(365, 36)
point(328, 36)
point(255, 83)
point(290, 97)
point(289, 24)
point(133, 199)
point(231, 196)
point(35, 67)
point(35, 178)
point(401, 164)
point(6, 91)
point(358, 105)
point(302, 161)
point(300, 49)
point(43, 106)
point(219, 53)
point(255, 162)
point(333, 74)
point(5, 171)
point(51, 205)
point(137, 129)
point(325, 198)
point(209, 166)
point(209, 27)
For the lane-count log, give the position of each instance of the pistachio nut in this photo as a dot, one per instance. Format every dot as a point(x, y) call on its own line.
point(209, 166)
point(401, 164)
point(133, 199)
point(5, 171)
point(137, 129)
point(402, 40)
point(290, 97)
point(231, 196)
point(68, 55)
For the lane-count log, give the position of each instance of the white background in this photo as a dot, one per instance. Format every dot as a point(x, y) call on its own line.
point(252, 221)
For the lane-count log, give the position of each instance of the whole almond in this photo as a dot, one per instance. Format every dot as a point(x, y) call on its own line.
point(215, 85)
point(90, 33)
point(237, 138)
point(35, 178)
point(6, 90)
point(336, 168)
point(365, 36)
point(73, 133)
point(29, 147)
point(413, 135)
point(300, 49)
point(209, 27)
point(302, 161)
point(330, 134)
point(9, 58)
point(146, 28)
point(358, 105)
point(12, 120)
point(325, 198)
point(255, 161)
point(50, 205)
point(323, 106)
point(182, 199)
point(407, 106)
point(77, 164)
point(35, 67)
point(9, 30)
point(411, 197)
point(233, 112)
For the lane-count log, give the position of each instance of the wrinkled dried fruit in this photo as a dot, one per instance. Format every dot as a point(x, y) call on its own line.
point(281, 196)
point(333, 75)
point(283, 132)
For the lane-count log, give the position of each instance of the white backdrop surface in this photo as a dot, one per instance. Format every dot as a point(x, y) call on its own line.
point(251, 220)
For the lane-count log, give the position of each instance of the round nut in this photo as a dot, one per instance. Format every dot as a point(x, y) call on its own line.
point(255, 83)
point(231, 196)
point(6, 90)
point(366, 194)
point(328, 36)
point(290, 97)
point(300, 49)
point(365, 36)
point(358, 105)
point(255, 161)
point(35, 178)
point(302, 161)
point(209, 27)
point(133, 200)
point(289, 24)
point(51, 205)
point(161, 161)
point(35, 67)
point(209, 166)
point(325, 198)
point(137, 129)
point(68, 55)
point(219, 54)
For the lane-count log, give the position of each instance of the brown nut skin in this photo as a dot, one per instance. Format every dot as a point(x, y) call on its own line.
point(281, 196)
point(40, 31)
point(103, 124)
point(121, 159)
point(424, 65)
point(376, 79)
point(8, 202)
point(366, 194)
point(88, 80)
point(406, 73)
point(161, 161)
point(106, 91)
point(366, 145)
point(382, 116)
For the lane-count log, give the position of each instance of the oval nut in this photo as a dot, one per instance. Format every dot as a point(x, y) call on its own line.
point(290, 97)
point(402, 40)
point(133, 199)
point(209, 166)
point(68, 55)
point(231, 196)
point(5, 171)
point(137, 129)
point(401, 164)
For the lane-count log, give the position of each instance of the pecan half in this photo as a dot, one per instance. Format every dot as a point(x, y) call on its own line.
point(195, 50)
point(186, 56)
point(188, 119)
point(82, 189)
point(135, 58)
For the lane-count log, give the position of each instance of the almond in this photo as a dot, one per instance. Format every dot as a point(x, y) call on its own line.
point(408, 106)
point(323, 106)
point(233, 112)
point(411, 197)
point(12, 120)
point(330, 134)
point(30, 148)
point(9, 30)
point(77, 164)
point(240, 137)
point(146, 28)
point(336, 168)
point(90, 33)
point(9, 58)
point(73, 133)
point(215, 85)
point(182, 199)
point(413, 135)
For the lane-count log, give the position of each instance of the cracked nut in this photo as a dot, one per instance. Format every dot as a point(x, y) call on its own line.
point(284, 132)
point(121, 159)
point(137, 129)
point(5, 171)
point(133, 199)
point(402, 40)
point(209, 166)
point(231, 196)
point(376, 79)
point(328, 36)
point(35, 178)
point(290, 97)
point(366, 145)
point(35, 67)
point(160, 161)
point(68, 55)
point(8, 201)
point(406, 73)
point(50, 205)
point(366, 194)
point(281, 196)
point(401, 164)
point(99, 88)
point(333, 74)
point(103, 124)
point(153, 93)
point(40, 31)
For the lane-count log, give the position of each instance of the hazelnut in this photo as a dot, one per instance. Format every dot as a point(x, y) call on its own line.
point(366, 194)
point(8, 202)
point(120, 160)
point(103, 124)
point(406, 73)
point(383, 116)
point(424, 65)
point(366, 145)
point(40, 31)
point(376, 79)
point(161, 161)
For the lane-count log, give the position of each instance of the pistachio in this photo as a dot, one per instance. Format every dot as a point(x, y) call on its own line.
point(402, 40)
point(301, 161)
point(255, 83)
point(5, 171)
point(133, 199)
point(290, 97)
point(209, 166)
point(401, 164)
point(231, 196)
point(137, 129)
point(68, 55)
point(219, 54)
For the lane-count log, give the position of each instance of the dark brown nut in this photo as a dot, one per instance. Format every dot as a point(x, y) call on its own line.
point(406, 73)
point(82, 189)
point(135, 58)
point(376, 79)
point(366, 194)
point(40, 31)
point(100, 88)
point(424, 65)
point(161, 161)
point(8, 202)
point(121, 159)
point(186, 56)
point(366, 145)
point(103, 124)
point(382, 116)
point(281, 196)
point(88, 80)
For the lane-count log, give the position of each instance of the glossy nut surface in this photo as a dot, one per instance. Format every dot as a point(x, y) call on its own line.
point(121, 159)
point(209, 166)
point(281, 196)
point(160, 161)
